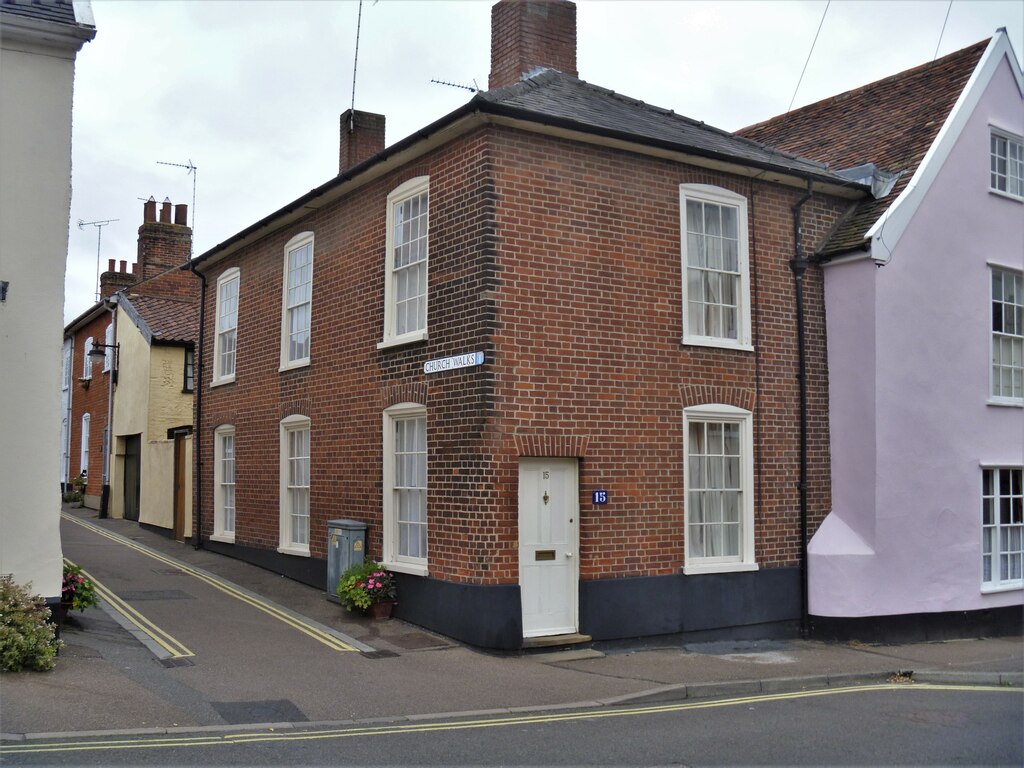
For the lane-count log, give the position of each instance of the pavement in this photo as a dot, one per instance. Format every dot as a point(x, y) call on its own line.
point(189, 640)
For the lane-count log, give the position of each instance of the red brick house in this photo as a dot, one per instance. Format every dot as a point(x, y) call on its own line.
point(87, 380)
point(545, 348)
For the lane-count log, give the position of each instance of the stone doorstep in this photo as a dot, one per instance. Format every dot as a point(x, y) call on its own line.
point(554, 641)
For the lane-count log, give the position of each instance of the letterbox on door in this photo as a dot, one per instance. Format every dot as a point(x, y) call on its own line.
point(346, 543)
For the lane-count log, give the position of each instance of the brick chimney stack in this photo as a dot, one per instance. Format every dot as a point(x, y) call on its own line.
point(530, 34)
point(164, 246)
point(362, 137)
point(114, 279)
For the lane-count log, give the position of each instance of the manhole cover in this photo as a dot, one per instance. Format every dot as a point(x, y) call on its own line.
point(413, 641)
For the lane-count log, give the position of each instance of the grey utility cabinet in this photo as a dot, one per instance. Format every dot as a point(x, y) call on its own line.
point(346, 543)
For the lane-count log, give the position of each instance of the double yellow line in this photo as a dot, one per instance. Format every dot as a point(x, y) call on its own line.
point(227, 739)
point(316, 633)
point(174, 649)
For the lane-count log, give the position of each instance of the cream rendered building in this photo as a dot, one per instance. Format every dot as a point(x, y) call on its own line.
point(38, 46)
point(151, 470)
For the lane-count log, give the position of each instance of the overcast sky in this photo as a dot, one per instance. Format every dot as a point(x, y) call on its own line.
point(250, 92)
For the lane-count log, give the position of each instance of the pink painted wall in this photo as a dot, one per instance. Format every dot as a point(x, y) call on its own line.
point(911, 426)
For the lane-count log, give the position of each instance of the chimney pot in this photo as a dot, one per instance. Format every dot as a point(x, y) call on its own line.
point(149, 211)
point(110, 265)
point(124, 266)
point(181, 214)
point(531, 34)
point(165, 212)
point(362, 137)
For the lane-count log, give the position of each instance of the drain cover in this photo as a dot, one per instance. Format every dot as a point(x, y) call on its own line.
point(265, 711)
point(176, 663)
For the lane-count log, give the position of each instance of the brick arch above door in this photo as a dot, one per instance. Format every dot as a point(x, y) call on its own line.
point(550, 443)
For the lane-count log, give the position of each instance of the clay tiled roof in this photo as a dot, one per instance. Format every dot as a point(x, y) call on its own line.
point(167, 320)
point(891, 123)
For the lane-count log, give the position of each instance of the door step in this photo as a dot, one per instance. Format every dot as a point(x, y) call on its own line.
point(554, 641)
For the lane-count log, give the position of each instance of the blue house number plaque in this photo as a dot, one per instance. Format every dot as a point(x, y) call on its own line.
point(600, 497)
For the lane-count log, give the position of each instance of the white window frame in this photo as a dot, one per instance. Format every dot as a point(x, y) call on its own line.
point(222, 531)
point(744, 561)
point(705, 193)
point(1002, 342)
point(65, 371)
point(230, 275)
point(995, 583)
point(86, 360)
point(108, 348)
point(1010, 182)
point(288, 545)
point(297, 243)
point(84, 455)
point(391, 557)
point(412, 188)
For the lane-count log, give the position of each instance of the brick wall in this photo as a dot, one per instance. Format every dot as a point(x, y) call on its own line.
point(349, 382)
point(91, 400)
point(562, 263)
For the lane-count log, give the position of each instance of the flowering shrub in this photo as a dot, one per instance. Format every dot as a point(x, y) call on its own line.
point(365, 584)
point(77, 589)
point(27, 639)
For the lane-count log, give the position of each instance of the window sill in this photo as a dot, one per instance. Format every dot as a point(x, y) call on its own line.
point(697, 570)
point(293, 550)
point(291, 366)
point(223, 538)
point(222, 382)
point(1006, 402)
point(703, 341)
point(1007, 195)
point(401, 341)
point(409, 568)
point(1002, 588)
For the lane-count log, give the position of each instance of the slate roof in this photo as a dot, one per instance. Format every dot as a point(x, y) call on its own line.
point(164, 320)
point(554, 97)
point(891, 123)
point(59, 11)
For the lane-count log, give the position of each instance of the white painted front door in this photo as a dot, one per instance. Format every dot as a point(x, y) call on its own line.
point(548, 544)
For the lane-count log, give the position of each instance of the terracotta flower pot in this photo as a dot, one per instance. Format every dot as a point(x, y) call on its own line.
point(381, 610)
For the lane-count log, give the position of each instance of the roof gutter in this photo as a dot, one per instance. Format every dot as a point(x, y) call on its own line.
point(519, 113)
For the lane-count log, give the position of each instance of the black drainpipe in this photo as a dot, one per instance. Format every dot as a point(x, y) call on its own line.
point(799, 264)
point(197, 440)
